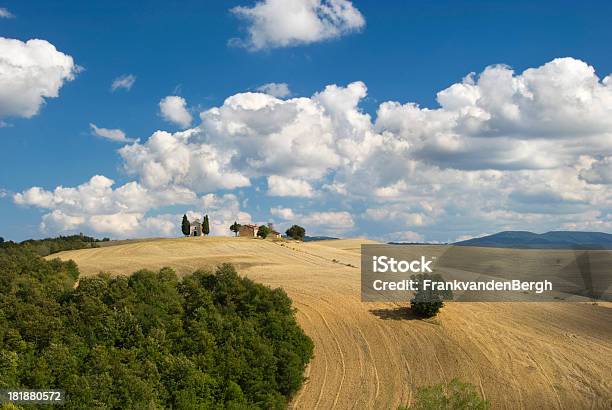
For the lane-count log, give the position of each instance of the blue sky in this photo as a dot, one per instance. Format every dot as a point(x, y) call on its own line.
point(415, 174)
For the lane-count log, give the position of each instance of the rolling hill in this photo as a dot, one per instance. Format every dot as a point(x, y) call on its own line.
point(375, 355)
point(548, 240)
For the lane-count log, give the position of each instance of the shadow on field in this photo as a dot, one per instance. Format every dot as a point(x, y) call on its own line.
point(396, 313)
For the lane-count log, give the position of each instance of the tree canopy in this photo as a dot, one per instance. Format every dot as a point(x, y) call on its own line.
point(263, 231)
point(235, 227)
point(428, 302)
point(149, 340)
point(296, 232)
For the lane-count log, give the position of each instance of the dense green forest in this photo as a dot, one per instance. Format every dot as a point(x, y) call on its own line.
point(149, 340)
point(44, 247)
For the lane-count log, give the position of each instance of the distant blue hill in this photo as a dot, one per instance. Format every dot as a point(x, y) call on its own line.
point(318, 238)
point(548, 240)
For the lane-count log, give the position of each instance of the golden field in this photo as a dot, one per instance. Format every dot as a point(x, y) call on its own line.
point(375, 355)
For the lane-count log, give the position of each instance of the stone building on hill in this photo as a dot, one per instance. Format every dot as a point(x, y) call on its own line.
point(273, 232)
point(248, 231)
point(195, 228)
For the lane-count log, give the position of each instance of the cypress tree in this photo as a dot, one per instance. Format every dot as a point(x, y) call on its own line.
point(205, 225)
point(186, 226)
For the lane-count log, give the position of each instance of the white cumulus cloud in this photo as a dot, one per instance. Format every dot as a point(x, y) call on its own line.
point(223, 211)
point(282, 186)
point(503, 120)
point(125, 81)
point(174, 109)
point(172, 159)
point(5, 14)
point(111, 134)
point(96, 207)
point(97, 196)
point(503, 150)
point(284, 23)
point(286, 214)
point(328, 222)
point(599, 171)
point(404, 236)
point(30, 72)
point(278, 90)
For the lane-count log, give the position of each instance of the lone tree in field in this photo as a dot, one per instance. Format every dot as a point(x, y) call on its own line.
point(205, 225)
point(263, 231)
point(235, 228)
point(428, 302)
point(296, 232)
point(185, 226)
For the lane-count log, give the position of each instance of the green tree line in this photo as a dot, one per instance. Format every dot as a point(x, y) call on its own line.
point(48, 246)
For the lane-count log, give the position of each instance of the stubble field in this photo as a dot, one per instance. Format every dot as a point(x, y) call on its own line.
point(375, 355)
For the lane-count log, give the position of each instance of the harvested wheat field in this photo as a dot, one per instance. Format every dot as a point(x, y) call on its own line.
point(374, 355)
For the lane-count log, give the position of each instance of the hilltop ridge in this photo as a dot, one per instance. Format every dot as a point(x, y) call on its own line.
point(548, 240)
